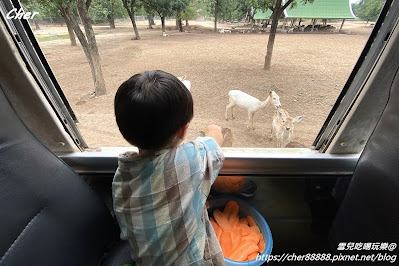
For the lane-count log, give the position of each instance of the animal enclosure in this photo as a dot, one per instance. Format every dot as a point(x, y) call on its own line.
point(308, 73)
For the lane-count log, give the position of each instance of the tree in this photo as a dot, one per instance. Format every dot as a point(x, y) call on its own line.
point(368, 10)
point(70, 28)
point(32, 5)
point(162, 7)
point(213, 7)
point(88, 41)
point(190, 13)
point(179, 6)
point(277, 7)
point(130, 8)
point(106, 10)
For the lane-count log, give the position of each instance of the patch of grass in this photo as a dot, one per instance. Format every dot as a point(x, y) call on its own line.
point(52, 37)
point(46, 38)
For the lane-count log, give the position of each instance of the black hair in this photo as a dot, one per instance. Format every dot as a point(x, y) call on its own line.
point(151, 107)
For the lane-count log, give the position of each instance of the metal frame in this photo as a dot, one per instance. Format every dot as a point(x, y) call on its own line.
point(367, 70)
point(37, 65)
point(257, 162)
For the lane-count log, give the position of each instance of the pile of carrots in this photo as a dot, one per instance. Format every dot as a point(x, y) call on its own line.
point(240, 239)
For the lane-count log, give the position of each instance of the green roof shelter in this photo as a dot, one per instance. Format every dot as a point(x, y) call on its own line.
point(319, 9)
point(260, 14)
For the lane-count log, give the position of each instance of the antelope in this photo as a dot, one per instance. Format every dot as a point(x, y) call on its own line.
point(252, 104)
point(283, 127)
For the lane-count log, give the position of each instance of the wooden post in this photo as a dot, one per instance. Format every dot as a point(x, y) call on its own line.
point(342, 24)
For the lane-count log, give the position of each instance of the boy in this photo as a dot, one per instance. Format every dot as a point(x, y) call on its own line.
point(160, 193)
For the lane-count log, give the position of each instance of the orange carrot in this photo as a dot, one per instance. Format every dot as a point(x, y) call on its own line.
point(252, 256)
point(255, 229)
point(240, 239)
point(231, 211)
point(252, 237)
point(222, 221)
point(243, 221)
point(235, 237)
point(245, 229)
point(226, 243)
point(242, 251)
point(251, 221)
point(261, 245)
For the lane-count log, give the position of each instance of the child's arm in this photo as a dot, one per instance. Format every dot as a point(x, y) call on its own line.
point(215, 132)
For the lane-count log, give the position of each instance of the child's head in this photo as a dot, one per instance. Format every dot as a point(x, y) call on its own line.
point(151, 107)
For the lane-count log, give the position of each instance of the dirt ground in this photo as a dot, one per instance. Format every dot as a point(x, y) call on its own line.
point(308, 72)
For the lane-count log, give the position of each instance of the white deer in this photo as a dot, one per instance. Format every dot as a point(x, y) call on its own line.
point(283, 127)
point(252, 104)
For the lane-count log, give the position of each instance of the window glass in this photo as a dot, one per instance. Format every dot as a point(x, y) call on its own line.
point(308, 68)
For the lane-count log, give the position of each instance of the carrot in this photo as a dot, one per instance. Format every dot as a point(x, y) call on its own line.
point(235, 237)
point(243, 221)
point(242, 251)
point(252, 237)
point(245, 229)
point(231, 211)
point(222, 221)
point(261, 245)
point(255, 229)
point(252, 256)
point(251, 221)
point(226, 243)
point(240, 239)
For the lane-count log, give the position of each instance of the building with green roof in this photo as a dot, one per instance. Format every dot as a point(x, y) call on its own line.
point(319, 9)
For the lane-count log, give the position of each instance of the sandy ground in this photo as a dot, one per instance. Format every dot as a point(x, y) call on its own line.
point(308, 73)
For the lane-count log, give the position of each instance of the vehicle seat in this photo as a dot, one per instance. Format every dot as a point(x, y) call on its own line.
point(49, 215)
point(369, 212)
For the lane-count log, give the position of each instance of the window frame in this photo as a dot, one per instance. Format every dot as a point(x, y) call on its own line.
point(326, 159)
point(37, 65)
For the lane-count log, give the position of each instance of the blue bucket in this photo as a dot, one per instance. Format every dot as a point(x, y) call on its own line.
point(245, 210)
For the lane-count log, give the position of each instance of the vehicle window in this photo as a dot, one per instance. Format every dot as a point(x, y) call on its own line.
point(312, 58)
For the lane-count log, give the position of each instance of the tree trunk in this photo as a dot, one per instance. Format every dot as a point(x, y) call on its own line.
point(37, 27)
point(187, 23)
point(163, 25)
point(215, 29)
point(69, 26)
point(89, 45)
point(71, 35)
point(111, 22)
point(149, 24)
point(272, 36)
point(136, 31)
point(177, 22)
point(131, 13)
point(180, 25)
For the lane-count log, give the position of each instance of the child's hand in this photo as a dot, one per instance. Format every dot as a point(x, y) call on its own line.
point(215, 132)
point(214, 127)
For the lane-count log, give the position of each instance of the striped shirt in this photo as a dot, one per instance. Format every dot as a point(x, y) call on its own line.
point(159, 202)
